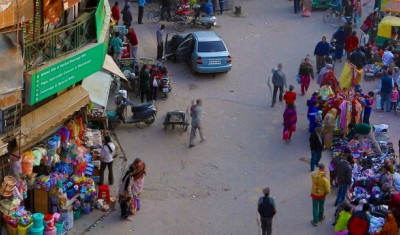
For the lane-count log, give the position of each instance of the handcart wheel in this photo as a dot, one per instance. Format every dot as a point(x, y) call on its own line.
point(165, 123)
point(185, 126)
point(173, 126)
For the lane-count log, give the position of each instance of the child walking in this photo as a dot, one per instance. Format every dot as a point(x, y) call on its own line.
point(394, 98)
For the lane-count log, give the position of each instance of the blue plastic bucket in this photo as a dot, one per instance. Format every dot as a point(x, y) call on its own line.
point(52, 143)
point(111, 114)
point(59, 227)
point(37, 220)
point(36, 231)
point(86, 210)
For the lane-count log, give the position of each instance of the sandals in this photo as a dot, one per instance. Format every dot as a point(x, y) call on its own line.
point(314, 224)
point(323, 218)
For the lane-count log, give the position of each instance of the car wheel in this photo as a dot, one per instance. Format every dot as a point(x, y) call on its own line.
point(208, 26)
point(191, 67)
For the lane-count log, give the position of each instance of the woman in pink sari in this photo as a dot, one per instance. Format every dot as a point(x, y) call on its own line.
point(289, 121)
point(307, 5)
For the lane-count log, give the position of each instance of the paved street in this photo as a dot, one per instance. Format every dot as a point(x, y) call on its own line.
point(213, 188)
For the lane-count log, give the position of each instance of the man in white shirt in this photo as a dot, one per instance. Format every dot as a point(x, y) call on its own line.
point(106, 157)
point(387, 58)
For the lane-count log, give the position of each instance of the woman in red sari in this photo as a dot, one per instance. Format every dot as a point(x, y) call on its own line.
point(289, 121)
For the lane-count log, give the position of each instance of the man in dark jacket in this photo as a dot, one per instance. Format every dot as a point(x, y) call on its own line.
point(359, 222)
point(358, 57)
point(320, 51)
point(340, 37)
point(144, 83)
point(316, 147)
point(165, 7)
point(386, 85)
point(127, 16)
point(343, 173)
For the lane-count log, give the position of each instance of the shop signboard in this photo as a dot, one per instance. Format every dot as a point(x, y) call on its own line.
point(61, 75)
point(127, 66)
point(100, 15)
point(10, 118)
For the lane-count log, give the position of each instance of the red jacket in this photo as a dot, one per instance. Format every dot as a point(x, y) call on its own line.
point(289, 97)
point(131, 36)
point(115, 13)
point(351, 43)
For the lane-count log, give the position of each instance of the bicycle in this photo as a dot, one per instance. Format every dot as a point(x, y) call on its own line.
point(154, 16)
point(327, 17)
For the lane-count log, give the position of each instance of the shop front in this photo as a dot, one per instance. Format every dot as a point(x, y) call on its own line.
point(54, 168)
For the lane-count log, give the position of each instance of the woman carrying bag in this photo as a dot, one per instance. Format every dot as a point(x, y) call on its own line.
point(125, 193)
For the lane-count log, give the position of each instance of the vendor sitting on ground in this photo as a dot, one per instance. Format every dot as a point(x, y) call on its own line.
point(363, 130)
point(385, 177)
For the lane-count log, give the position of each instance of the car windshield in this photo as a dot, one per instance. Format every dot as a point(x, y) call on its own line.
point(214, 46)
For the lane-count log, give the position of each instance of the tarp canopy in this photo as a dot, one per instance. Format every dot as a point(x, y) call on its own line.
point(98, 86)
point(51, 114)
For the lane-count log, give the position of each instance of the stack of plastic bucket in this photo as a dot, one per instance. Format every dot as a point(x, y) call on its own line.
point(23, 229)
point(37, 228)
point(49, 228)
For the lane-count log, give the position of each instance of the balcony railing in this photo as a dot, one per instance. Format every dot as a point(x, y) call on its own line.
point(59, 42)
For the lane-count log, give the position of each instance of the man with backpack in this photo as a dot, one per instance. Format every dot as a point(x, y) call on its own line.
point(267, 210)
point(319, 189)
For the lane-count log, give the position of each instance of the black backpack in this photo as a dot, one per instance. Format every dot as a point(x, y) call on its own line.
point(266, 208)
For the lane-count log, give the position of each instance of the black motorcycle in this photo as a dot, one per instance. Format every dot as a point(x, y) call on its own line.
point(145, 112)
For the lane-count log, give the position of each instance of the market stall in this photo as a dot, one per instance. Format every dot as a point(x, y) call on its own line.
point(53, 182)
point(366, 171)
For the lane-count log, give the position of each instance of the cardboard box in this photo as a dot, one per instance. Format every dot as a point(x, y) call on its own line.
point(15, 12)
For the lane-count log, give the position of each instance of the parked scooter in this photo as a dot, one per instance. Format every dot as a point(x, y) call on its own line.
point(206, 20)
point(145, 112)
point(164, 84)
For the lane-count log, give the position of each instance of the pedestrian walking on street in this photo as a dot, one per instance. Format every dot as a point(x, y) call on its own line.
point(153, 82)
point(221, 7)
point(316, 147)
point(115, 14)
point(267, 210)
point(290, 95)
point(343, 174)
point(340, 37)
point(133, 42)
point(321, 50)
point(369, 103)
point(278, 80)
point(296, 4)
point(307, 7)
point(386, 85)
point(125, 193)
point(138, 176)
point(141, 10)
point(160, 42)
point(195, 114)
point(306, 72)
point(144, 83)
point(289, 121)
point(106, 158)
point(165, 7)
point(328, 126)
point(319, 189)
point(351, 43)
point(127, 17)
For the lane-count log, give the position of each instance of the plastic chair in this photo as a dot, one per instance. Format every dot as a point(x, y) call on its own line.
point(104, 189)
